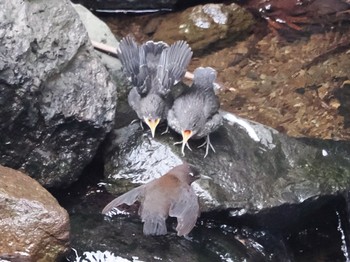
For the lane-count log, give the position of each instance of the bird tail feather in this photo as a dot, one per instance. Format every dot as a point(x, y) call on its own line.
point(154, 225)
point(173, 65)
point(204, 78)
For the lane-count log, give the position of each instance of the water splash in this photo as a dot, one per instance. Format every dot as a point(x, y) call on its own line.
point(344, 247)
point(99, 256)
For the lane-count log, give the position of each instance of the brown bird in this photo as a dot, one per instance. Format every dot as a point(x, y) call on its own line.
point(169, 195)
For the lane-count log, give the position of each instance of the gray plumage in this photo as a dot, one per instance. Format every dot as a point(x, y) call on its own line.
point(169, 195)
point(194, 113)
point(153, 68)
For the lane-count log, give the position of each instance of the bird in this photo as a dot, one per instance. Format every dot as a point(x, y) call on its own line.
point(153, 68)
point(195, 113)
point(169, 195)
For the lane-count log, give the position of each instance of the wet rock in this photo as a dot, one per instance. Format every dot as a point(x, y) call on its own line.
point(57, 99)
point(127, 6)
point(206, 26)
point(34, 227)
point(254, 166)
point(98, 31)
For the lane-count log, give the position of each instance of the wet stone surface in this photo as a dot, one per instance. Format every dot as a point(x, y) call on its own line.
point(254, 166)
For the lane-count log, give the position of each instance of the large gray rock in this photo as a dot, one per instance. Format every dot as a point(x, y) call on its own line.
point(254, 166)
point(99, 31)
point(57, 100)
point(34, 227)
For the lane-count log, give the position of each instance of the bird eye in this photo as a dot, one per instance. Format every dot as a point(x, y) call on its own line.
point(191, 174)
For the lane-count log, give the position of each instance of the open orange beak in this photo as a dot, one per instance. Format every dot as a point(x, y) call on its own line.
point(186, 135)
point(152, 123)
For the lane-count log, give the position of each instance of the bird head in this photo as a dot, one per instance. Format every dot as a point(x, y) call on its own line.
point(191, 121)
point(153, 108)
point(186, 173)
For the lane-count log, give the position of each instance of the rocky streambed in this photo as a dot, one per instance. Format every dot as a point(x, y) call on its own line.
point(279, 192)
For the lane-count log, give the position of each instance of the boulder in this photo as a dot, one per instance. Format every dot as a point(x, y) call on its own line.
point(34, 227)
point(206, 26)
point(57, 99)
point(98, 31)
point(254, 167)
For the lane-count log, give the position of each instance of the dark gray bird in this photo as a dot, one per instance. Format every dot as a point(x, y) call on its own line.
point(194, 113)
point(169, 195)
point(153, 68)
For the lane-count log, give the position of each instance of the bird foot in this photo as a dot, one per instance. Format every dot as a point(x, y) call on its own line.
point(183, 146)
point(208, 144)
point(188, 238)
point(140, 122)
point(166, 131)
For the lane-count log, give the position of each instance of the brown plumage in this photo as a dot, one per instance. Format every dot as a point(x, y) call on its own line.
point(169, 195)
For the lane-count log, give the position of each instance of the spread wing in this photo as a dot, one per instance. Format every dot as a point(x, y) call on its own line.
point(128, 198)
point(186, 210)
point(133, 59)
point(172, 65)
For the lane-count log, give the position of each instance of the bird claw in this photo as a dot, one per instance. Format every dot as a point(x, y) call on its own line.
point(208, 144)
point(183, 146)
point(188, 238)
point(166, 131)
point(135, 120)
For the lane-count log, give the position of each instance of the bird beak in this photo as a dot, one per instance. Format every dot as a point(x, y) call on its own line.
point(186, 135)
point(152, 123)
point(206, 177)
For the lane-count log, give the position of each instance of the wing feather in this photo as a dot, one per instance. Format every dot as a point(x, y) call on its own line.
point(128, 198)
point(172, 65)
point(186, 210)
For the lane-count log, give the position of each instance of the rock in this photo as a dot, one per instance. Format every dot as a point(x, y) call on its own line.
point(98, 31)
point(343, 95)
point(254, 166)
point(127, 6)
point(57, 99)
point(206, 26)
point(34, 227)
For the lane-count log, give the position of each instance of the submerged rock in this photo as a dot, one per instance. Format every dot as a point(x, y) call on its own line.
point(57, 100)
point(34, 227)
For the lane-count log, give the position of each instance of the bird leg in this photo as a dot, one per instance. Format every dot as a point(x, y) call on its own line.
point(166, 131)
point(135, 120)
point(183, 146)
point(207, 142)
